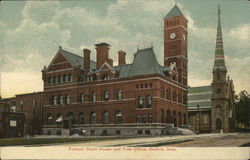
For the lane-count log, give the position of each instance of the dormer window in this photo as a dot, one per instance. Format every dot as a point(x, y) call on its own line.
point(106, 77)
point(89, 79)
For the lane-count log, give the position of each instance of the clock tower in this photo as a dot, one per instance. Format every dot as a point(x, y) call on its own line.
point(175, 42)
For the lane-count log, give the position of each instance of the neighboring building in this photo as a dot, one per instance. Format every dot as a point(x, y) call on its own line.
point(97, 98)
point(11, 123)
point(221, 107)
point(199, 108)
point(30, 105)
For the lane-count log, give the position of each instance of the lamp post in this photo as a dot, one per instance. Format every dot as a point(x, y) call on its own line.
point(198, 108)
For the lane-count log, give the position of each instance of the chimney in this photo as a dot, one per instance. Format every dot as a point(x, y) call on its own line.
point(86, 59)
point(121, 57)
point(102, 54)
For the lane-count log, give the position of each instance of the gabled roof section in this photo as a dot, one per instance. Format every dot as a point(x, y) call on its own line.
point(75, 59)
point(145, 63)
point(175, 11)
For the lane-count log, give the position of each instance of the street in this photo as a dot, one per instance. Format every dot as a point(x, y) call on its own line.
point(201, 140)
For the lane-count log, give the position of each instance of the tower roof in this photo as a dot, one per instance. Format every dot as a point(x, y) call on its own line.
point(175, 11)
point(219, 60)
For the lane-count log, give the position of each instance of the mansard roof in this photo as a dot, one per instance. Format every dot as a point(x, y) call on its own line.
point(144, 63)
point(175, 11)
point(75, 59)
point(199, 96)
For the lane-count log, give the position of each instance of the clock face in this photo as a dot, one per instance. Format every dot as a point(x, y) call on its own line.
point(172, 35)
point(184, 37)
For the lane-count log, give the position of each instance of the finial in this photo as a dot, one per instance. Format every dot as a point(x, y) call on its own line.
point(60, 47)
point(151, 44)
point(137, 47)
point(175, 2)
point(218, 9)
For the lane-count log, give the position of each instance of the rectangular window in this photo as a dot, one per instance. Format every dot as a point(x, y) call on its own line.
point(205, 119)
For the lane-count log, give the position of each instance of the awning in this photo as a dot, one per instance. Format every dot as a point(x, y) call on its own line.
point(59, 119)
point(50, 117)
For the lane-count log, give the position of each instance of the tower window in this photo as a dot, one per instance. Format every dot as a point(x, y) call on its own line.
point(218, 75)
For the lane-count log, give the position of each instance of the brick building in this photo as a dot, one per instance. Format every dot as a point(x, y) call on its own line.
point(212, 108)
point(30, 105)
point(11, 123)
point(98, 98)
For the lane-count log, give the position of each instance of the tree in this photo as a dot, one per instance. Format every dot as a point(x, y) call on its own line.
point(242, 108)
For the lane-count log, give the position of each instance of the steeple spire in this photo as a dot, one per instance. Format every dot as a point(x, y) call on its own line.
point(219, 60)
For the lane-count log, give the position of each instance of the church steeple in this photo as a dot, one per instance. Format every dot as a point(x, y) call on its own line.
point(219, 60)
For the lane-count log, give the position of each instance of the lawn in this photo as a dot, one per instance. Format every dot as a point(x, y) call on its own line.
point(37, 141)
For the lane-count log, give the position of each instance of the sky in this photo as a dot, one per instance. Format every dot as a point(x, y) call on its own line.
point(31, 31)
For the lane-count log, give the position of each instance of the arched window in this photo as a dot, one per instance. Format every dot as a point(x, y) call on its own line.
point(92, 118)
point(70, 78)
point(54, 80)
point(61, 79)
point(55, 100)
point(119, 94)
point(168, 120)
point(59, 99)
point(149, 101)
point(49, 119)
point(81, 118)
point(118, 117)
point(179, 98)
point(64, 78)
point(218, 75)
point(68, 99)
point(81, 98)
point(140, 101)
point(106, 95)
point(105, 117)
point(218, 111)
point(50, 81)
point(62, 100)
point(93, 97)
point(184, 98)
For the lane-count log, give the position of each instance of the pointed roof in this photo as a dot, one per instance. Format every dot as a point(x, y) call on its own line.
point(145, 63)
point(175, 11)
point(75, 59)
point(219, 60)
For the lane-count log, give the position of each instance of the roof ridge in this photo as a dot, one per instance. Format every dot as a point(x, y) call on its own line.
point(71, 53)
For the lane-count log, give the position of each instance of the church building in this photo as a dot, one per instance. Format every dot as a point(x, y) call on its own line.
point(98, 98)
point(212, 108)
